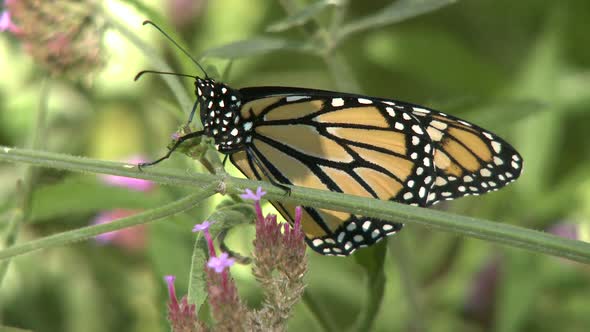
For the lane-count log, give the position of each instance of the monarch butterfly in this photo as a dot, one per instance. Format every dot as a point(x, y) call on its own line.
point(348, 143)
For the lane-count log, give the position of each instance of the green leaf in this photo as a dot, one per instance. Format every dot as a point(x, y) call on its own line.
point(372, 260)
point(254, 47)
point(400, 10)
point(301, 17)
point(197, 286)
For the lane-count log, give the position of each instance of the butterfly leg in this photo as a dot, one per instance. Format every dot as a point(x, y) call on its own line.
point(192, 115)
point(179, 141)
point(252, 156)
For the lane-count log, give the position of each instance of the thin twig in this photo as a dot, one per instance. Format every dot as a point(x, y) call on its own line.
point(87, 232)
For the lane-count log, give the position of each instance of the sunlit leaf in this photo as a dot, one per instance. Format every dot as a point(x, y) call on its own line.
point(398, 11)
point(301, 17)
point(253, 47)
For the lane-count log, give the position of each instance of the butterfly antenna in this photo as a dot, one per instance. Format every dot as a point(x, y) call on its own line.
point(177, 45)
point(161, 73)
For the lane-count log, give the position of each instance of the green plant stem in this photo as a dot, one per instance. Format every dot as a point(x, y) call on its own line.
point(403, 258)
point(84, 233)
point(22, 212)
point(496, 232)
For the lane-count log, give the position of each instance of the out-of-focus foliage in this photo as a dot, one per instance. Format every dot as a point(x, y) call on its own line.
point(519, 68)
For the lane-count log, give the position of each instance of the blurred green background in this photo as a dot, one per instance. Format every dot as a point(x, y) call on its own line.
point(518, 68)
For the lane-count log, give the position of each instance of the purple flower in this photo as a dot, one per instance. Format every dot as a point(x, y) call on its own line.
point(256, 197)
point(130, 183)
point(218, 264)
point(132, 238)
point(253, 196)
point(202, 226)
point(6, 23)
point(175, 136)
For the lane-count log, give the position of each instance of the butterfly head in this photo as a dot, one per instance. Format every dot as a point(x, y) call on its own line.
point(220, 114)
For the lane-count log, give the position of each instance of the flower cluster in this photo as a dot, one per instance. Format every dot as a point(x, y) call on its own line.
point(64, 36)
point(279, 266)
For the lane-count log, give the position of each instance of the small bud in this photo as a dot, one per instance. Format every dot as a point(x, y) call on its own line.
point(181, 314)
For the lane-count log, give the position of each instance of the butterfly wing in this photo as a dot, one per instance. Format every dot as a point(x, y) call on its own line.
point(342, 143)
point(469, 160)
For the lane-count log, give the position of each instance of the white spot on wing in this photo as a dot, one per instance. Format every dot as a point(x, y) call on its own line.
point(496, 146)
point(421, 110)
point(390, 111)
point(365, 101)
point(290, 99)
point(336, 102)
point(515, 165)
point(417, 129)
point(485, 172)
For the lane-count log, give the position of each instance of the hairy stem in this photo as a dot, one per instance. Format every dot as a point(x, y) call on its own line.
point(84, 233)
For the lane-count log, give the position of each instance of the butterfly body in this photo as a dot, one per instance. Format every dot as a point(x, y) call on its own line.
point(354, 144)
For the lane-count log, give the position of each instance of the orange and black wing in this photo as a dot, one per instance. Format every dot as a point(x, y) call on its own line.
point(341, 143)
point(469, 160)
